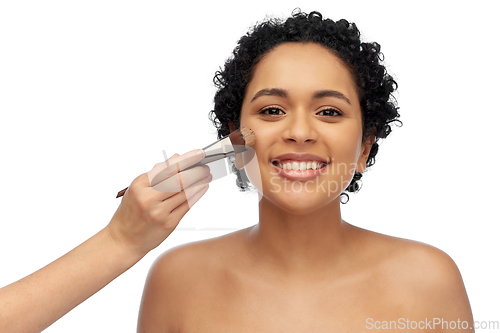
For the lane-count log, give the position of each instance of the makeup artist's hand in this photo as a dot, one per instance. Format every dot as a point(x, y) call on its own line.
point(156, 201)
point(145, 217)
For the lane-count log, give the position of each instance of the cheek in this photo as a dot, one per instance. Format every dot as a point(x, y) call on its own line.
point(345, 146)
point(265, 134)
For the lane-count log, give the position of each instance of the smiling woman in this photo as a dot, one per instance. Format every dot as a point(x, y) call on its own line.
point(318, 100)
point(313, 119)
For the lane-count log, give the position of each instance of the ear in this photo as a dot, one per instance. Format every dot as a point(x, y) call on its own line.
point(366, 147)
point(239, 159)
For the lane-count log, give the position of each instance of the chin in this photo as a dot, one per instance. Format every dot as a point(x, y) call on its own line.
point(300, 203)
point(303, 210)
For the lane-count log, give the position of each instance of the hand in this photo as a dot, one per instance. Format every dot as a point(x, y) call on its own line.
point(149, 212)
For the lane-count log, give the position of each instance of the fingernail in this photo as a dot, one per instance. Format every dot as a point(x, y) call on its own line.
point(200, 152)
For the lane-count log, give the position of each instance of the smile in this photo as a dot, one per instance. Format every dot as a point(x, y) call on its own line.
point(299, 170)
point(299, 165)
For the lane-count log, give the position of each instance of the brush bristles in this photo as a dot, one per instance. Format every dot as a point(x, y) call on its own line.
point(242, 139)
point(248, 136)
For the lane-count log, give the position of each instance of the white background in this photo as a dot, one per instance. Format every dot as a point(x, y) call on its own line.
point(92, 91)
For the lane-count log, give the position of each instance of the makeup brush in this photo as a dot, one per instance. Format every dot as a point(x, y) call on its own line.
point(236, 142)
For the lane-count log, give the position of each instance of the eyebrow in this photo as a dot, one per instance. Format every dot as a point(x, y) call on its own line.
point(331, 93)
point(270, 92)
point(317, 94)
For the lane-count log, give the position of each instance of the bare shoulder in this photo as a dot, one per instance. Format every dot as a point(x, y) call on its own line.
point(419, 260)
point(199, 255)
point(419, 272)
point(185, 263)
point(181, 277)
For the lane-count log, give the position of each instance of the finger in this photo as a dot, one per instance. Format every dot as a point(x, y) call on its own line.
point(179, 212)
point(181, 181)
point(178, 199)
point(176, 164)
point(159, 167)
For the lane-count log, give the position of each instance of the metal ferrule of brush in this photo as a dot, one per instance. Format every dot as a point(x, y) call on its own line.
point(217, 150)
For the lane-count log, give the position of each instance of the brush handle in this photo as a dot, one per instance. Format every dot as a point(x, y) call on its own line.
point(122, 192)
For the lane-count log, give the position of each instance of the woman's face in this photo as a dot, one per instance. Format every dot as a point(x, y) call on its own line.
point(302, 99)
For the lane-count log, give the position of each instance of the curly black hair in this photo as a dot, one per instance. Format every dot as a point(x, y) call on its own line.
point(375, 86)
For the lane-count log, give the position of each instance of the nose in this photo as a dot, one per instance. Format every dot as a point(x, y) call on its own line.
point(300, 128)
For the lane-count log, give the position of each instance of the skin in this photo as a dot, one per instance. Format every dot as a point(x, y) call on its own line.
point(302, 267)
point(143, 220)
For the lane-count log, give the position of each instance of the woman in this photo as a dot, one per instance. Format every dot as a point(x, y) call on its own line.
point(317, 98)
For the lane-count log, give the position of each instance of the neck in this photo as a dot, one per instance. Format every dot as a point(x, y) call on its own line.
point(294, 243)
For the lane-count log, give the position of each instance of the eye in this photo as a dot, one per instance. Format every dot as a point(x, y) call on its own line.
point(331, 112)
point(270, 109)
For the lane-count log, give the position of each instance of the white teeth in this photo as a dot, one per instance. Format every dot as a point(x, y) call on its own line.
point(310, 165)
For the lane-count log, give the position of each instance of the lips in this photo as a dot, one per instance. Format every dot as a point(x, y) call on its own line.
point(300, 175)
